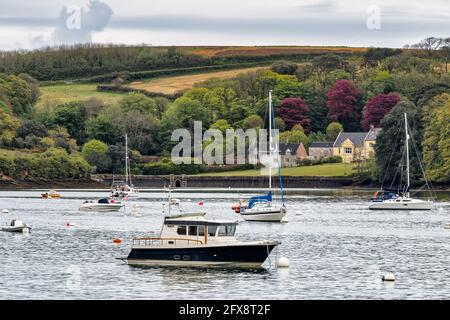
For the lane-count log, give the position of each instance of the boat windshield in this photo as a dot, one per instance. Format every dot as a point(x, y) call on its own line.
point(227, 231)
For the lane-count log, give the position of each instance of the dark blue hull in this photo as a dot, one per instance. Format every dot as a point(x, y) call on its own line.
point(239, 255)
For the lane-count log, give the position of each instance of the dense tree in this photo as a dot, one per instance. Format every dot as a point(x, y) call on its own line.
point(374, 55)
point(333, 130)
point(436, 142)
point(284, 67)
point(344, 104)
point(103, 129)
point(16, 94)
point(72, 116)
point(253, 121)
point(95, 153)
point(184, 111)
point(221, 125)
point(138, 102)
point(377, 108)
point(31, 128)
point(294, 136)
point(294, 111)
point(390, 144)
point(8, 127)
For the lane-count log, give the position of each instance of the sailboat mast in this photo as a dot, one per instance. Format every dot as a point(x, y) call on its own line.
point(126, 159)
point(407, 155)
point(270, 139)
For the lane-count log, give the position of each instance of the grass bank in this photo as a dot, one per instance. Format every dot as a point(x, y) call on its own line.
point(323, 170)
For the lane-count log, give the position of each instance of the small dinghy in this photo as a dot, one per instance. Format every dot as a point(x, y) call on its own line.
point(102, 205)
point(52, 194)
point(16, 226)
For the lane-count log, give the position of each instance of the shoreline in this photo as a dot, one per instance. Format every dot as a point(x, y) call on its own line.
point(198, 184)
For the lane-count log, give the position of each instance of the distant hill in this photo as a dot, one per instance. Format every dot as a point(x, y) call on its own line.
point(104, 62)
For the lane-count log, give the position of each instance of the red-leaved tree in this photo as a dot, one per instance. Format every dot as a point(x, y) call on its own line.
point(344, 104)
point(377, 108)
point(294, 111)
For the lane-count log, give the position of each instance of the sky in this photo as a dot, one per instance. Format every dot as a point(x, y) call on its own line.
point(26, 24)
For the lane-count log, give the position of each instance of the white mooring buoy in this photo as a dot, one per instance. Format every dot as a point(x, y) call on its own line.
point(283, 262)
point(284, 220)
point(388, 277)
point(5, 211)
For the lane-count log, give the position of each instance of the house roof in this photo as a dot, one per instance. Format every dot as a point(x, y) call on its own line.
point(321, 144)
point(293, 147)
point(373, 133)
point(357, 138)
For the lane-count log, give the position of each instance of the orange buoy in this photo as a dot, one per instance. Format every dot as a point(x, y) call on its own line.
point(117, 241)
point(236, 208)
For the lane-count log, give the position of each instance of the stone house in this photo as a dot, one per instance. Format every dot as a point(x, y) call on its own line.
point(355, 146)
point(320, 149)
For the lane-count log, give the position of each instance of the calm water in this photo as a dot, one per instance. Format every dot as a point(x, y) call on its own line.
point(337, 249)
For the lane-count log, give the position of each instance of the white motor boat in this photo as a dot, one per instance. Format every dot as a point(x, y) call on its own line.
point(385, 200)
point(102, 205)
point(125, 189)
point(190, 240)
point(16, 226)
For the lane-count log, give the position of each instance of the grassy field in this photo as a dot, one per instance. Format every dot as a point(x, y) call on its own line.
point(323, 170)
point(171, 85)
point(70, 92)
point(267, 50)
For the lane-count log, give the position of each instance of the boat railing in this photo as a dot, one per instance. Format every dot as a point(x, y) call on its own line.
point(164, 241)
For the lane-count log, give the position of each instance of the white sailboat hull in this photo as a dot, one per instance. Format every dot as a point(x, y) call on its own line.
point(270, 215)
point(402, 204)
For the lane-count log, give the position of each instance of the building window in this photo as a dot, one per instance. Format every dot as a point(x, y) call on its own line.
point(348, 150)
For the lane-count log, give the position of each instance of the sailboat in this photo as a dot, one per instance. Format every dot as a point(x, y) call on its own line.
point(262, 208)
point(389, 200)
point(125, 189)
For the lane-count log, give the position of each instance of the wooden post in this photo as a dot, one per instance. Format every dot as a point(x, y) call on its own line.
point(206, 234)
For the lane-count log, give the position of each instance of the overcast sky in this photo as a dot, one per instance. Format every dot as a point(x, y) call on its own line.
point(30, 24)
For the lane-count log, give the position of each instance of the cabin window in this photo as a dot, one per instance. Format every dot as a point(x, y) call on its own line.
point(348, 150)
point(181, 230)
point(227, 231)
point(212, 231)
point(201, 230)
point(192, 231)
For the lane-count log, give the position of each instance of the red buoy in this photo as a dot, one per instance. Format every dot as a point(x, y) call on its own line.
point(117, 241)
point(200, 203)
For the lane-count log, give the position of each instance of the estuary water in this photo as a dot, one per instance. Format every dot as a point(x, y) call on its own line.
point(337, 248)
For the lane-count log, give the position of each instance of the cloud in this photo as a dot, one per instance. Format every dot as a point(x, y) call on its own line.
point(76, 25)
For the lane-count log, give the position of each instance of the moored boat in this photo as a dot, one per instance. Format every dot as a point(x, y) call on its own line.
point(389, 200)
point(192, 240)
point(16, 226)
point(102, 205)
point(125, 189)
point(261, 208)
point(52, 194)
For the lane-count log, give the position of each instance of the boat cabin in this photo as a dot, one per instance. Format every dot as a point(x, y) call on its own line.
point(191, 229)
